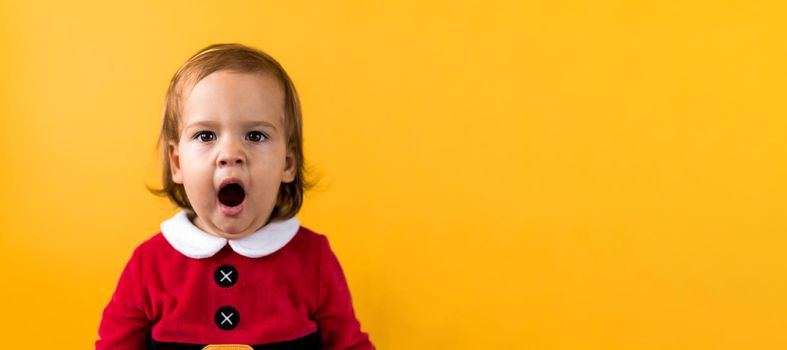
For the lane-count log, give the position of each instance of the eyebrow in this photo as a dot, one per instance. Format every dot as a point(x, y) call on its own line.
point(209, 123)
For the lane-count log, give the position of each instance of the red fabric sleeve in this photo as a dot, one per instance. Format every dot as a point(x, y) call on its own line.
point(124, 324)
point(339, 329)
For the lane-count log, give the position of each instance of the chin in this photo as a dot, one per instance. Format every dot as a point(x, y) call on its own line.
point(234, 232)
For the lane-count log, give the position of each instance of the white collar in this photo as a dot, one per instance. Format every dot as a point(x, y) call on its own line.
point(192, 242)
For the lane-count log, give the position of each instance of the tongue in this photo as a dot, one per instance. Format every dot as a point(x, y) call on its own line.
point(231, 195)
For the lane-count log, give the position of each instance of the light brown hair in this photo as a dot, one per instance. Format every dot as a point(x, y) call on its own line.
point(243, 59)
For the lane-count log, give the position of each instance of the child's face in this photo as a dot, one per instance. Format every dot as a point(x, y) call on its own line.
point(232, 129)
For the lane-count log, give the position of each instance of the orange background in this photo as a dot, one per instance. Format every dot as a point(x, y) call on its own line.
point(518, 175)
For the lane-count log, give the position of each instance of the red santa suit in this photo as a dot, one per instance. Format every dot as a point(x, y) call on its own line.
point(279, 287)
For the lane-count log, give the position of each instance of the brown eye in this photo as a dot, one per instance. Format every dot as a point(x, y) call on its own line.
point(206, 136)
point(256, 136)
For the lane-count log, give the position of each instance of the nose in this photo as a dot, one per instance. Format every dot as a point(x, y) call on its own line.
point(230, 154)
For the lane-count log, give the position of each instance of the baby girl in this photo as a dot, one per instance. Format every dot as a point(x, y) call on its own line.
point(234, 269)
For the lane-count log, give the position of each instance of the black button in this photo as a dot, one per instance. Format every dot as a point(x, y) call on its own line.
point(227, 318)
point(225, 276)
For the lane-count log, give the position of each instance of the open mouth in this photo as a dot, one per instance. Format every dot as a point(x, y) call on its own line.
point(232, 195)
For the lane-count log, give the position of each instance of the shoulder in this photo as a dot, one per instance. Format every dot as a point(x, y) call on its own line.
point(308, 239)
point(319, 248)
point(153, 243)
point(152, 247)
point(315, 245)
point(307, 234)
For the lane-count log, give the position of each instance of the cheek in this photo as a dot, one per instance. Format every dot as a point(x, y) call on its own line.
point(194, 166)
point(270, 163)
point(199, 188)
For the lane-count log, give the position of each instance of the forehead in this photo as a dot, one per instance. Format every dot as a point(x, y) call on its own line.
point(229, 96)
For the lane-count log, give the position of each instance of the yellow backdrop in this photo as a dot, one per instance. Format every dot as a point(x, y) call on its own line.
point(523, 175)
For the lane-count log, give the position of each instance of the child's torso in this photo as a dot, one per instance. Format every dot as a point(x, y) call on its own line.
point(229, 298)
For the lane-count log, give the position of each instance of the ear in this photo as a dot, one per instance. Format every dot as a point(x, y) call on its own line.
point(290, 166)
point(174, 162)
